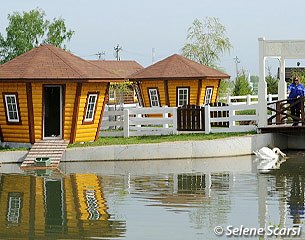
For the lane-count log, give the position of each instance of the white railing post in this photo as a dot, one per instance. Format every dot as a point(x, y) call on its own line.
point(269, 98)
point(175, 119)
point(126, 122)
point(231, 115)
point(165, 115)
point(248, 99)
point(207, 120)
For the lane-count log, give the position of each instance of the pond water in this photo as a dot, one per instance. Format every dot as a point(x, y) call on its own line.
point(169, 199)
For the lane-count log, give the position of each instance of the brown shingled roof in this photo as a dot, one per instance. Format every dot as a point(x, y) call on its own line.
point(50, 62)
point(123, 68)
point(177, 66)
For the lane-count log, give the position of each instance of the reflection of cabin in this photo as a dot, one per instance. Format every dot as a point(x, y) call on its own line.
point(40, 208)
point(122, 68)
point(177, 81)
point(49, 93)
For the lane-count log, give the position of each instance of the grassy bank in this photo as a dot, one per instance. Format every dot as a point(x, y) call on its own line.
point(157, 139)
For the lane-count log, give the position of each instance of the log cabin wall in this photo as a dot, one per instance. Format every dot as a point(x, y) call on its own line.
point(87, 131)
point(15, 132)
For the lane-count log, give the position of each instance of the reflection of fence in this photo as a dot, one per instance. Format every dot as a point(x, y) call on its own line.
point(169, 120)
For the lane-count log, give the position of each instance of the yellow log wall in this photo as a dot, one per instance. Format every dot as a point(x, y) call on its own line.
point(153, 84)
point(69, 108)
point(15, 132)
point(87, 132)
point(209, 83)
point(172, 90)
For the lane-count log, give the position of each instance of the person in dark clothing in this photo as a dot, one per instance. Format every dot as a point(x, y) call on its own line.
point(295, 90)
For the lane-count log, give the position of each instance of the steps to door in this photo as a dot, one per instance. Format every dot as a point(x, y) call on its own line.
point(53, 149)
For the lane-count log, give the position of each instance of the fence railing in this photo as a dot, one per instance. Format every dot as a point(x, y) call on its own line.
point(247, 99)
point(140, 122)
point(166, 120)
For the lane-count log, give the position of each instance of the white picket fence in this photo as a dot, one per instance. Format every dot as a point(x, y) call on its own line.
point(247, 99)
point(140, 122)
point(237, 122)
point(163, 121)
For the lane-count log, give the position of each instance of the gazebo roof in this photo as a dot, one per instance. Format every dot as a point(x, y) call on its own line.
point(49, 62)
point(123, 68)
point(178, 67)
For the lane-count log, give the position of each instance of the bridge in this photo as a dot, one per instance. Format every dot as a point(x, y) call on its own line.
point(280, 118)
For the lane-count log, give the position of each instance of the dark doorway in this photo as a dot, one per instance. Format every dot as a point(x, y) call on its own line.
point(52, 111)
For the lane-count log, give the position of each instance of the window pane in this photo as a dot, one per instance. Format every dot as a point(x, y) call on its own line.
point(91, 105)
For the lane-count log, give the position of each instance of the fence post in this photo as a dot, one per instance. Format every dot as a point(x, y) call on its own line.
point(231, 115)
point(175, 119)
point(126, 122)
point(165, 115)
point(248, 99)
point(207, 123)
point(269, 97)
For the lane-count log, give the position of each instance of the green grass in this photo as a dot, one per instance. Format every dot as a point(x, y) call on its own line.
point(157, 139)
point(7, 148)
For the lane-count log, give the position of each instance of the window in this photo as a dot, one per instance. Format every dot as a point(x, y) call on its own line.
point(90, 110)
point(183, 96)
point(11, 108)
point(208, 95)
point(154, 97)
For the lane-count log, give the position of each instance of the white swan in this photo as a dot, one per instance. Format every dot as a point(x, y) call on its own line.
point(269, 159)
point(267, 153)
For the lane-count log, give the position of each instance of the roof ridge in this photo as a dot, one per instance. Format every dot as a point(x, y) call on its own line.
point(73, 68)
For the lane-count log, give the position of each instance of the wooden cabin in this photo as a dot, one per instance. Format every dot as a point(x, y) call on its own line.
point(49, 93)
point(123, 68)
point(177, 81)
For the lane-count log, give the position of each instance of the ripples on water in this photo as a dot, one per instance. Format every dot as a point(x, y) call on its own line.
point(176, 199)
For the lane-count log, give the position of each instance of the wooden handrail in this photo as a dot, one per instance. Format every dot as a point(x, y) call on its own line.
point(282, 113)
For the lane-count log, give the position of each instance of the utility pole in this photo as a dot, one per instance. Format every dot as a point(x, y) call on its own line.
point(153, 55)
point(236, 65)
point(117, 49)
point(101, 55)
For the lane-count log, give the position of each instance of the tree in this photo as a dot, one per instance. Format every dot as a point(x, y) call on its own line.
point(28, 30)
point(272, 83)
point(206, 42)
point(241, 85)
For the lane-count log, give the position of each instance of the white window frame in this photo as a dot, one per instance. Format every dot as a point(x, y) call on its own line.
point(208, 95)
point(89, 104)
point(14, 206)
point(14, 107)
point(185, 100)
point(154, 97)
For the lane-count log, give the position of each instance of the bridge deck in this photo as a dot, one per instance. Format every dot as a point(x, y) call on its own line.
point(284, 128)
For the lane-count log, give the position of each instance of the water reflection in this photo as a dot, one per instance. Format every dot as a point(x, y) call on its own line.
point(68, 207)
point(150, 199)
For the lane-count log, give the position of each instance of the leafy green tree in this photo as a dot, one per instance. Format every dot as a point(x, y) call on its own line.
point(206, 42)
point(241, 85)
point(28, 30)
point(272, 83)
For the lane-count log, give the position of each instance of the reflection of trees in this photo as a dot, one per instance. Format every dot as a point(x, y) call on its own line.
point(290, 184)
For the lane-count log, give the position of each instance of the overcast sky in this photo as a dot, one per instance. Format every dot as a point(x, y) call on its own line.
point(139, 26)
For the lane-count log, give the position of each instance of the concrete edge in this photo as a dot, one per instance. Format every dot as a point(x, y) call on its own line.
point(233, 146)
